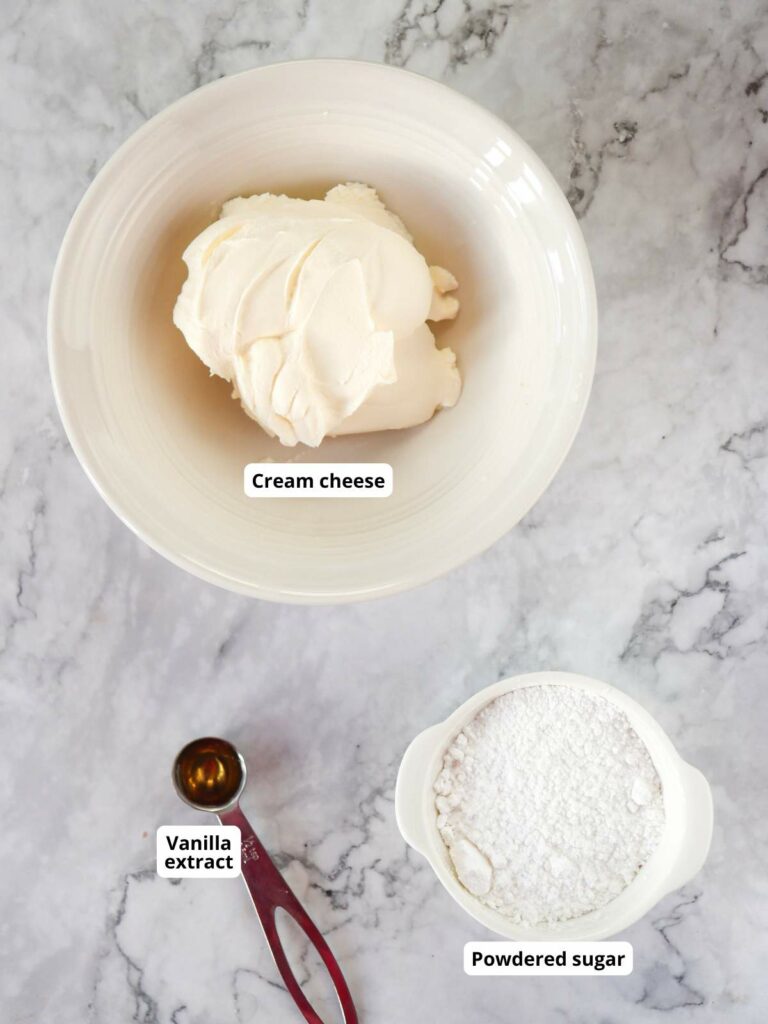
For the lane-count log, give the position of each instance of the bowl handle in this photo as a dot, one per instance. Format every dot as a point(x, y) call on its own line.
point(698, 831)
point(412, 779)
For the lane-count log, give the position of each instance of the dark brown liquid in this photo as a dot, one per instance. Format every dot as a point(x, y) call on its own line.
point(208, 772)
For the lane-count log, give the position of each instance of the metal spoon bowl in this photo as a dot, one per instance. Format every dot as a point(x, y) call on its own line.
point(209, 774)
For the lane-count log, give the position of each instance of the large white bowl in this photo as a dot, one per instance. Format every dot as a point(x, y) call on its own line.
point(679, 856)
point(165, 445)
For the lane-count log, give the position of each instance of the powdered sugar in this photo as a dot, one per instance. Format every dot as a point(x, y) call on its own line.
point(549, 803)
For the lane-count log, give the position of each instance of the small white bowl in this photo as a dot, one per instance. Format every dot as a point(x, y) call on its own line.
point(679, 856)
point(165, 445)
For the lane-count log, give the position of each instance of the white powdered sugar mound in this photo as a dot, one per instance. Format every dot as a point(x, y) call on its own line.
point(549, 804)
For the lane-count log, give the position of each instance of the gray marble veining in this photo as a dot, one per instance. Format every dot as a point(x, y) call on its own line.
point(646, 562)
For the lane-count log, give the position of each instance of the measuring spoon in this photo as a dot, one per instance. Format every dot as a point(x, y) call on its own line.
point(209, 774)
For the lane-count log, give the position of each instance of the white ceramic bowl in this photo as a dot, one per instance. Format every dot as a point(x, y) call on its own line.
point(165, 445)
point(679, 856)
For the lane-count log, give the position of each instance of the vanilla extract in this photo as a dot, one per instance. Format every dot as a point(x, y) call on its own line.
point(209, 773)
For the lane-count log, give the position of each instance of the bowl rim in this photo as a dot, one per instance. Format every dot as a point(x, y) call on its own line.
point(424, 837)
point(310, 595)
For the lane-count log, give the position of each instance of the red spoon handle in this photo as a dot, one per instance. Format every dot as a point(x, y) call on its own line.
point(269, 891)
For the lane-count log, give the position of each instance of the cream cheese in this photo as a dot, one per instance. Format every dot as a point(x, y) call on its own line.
point(316, 311)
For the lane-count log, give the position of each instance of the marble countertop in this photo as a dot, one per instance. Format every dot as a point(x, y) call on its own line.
point(646, 562)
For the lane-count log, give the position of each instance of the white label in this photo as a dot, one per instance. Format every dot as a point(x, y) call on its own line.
point(585, 958)
point(318, 480)
point(198, 851)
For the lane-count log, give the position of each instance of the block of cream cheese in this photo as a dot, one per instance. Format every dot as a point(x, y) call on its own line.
point(316, 311)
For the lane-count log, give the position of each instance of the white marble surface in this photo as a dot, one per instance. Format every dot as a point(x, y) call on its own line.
point(645, 563)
